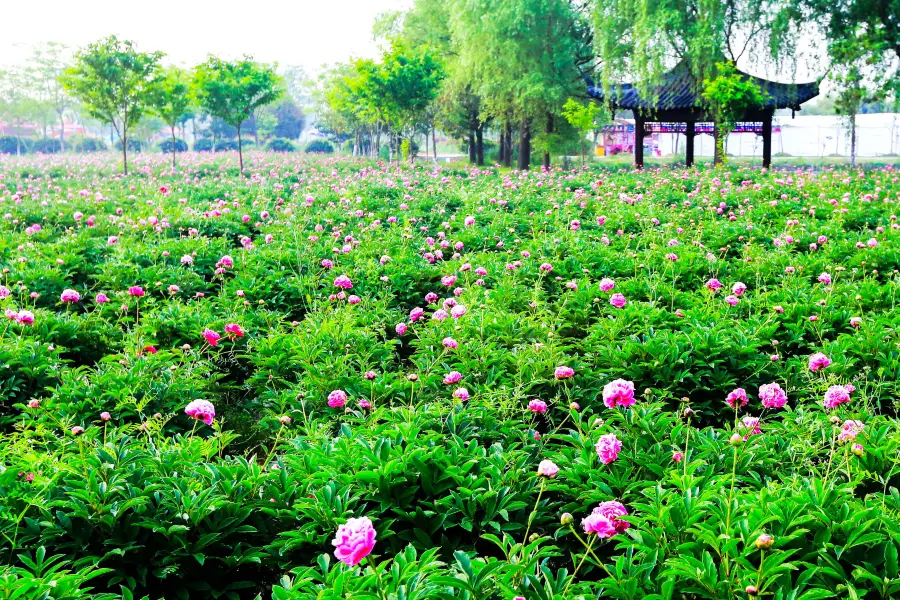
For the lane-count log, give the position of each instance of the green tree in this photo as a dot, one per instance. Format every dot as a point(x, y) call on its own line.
point(113, 79)
point(522, 58)
point(638, 40)
point(584, 118)
point(170, 99)
point(232, 91)
point(728, 96)
point(17, 104)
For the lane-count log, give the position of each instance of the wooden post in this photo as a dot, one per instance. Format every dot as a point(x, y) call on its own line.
point(767, 140)
point(638, 141)
point(690, 131)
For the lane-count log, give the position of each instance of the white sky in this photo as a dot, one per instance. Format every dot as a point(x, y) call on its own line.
point(309, 33)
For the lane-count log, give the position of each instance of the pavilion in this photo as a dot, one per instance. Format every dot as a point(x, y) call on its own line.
point(677, 99)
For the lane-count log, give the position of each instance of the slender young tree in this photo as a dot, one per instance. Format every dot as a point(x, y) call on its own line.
point(113, 79)
point(233, 90)
point(170, 99)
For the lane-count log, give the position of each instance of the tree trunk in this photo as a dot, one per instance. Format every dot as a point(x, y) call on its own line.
point(581, 141)
point(524, 145)
point(240, 150)
point(479, 144)
point(62, 133)
point(173, 147)
point(853, 139)
point(718, 149)
point(548, 130)
point(501, 148)
point(426, 144)
point(507, 153)
point(125, 148)
point(434, 142)
point(472, 146)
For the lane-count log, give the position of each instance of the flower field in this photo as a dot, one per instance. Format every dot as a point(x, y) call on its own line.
point(335, 379)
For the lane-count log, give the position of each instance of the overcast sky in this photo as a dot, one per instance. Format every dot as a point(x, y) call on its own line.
point(309, 33)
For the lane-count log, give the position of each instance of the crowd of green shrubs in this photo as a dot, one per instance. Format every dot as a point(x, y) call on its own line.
point(150, 503)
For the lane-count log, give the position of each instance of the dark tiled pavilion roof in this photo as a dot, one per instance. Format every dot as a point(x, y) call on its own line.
point(679, 90)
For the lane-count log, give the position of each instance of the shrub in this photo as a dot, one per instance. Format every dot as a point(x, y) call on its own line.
point(88, 145)
point(281, 145)
point(46, 146)
point(319, 147)
point(166, 146)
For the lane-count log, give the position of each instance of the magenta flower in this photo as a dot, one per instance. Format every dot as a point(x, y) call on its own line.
point(849, 430)
point(825, 278)
point(618, 393)
point(25, 317)
point(201, 410)
point(354, 541)
point(337, 398)
point(462, 394)
point(732, 300)
point(598, 524)
point(547, 469)
point(342, 281)
point(416, 314)
point(400, 328)
point(677, 456)
point(537, 406)
point(772, 395)
point(457, 311)
point(738, 289)
point(750, 426)
point(450, 343)
point(608, 448)
point(452, 377)
point(836, 394)
point(136, 291)
point(101, 298)
point(234, 330)
point(713, 284)
point(737, 398)
point(855, 322)
point(105, 416)
point(212, 338)
point(606, 284)
point(70, 296)
point(618, 300)
point(564, 372)
point(612, 510)
point(818, 361)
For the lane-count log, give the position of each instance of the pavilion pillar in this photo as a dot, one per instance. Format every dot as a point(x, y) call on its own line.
point(690, 131)
point(767, 139)
point(638, 141)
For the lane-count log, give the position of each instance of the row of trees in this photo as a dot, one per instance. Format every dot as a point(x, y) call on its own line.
point(466, 66)
point(118, 84)
point(112, 86)
point(513, 66)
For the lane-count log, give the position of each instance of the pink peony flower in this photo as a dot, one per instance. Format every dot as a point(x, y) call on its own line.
point(25, 317)
point(212, 338)
point(452, 377)
point(598, 524)
point(354, 541)
point(400, 328)
point(136, 291)
point(732, 300)
point(738, 289)
point(449, 342)
point(234, 330)
point(737, 397)
point(618, 300)
point(612, 510)
point(337, 398)
point(836, 394)
point(608, 448)
point(818, 361)
point(201, 410)
point(547, 469)
point(772, 395)
point(105, 416)
point(537, 406)
point(750, 425)
point(618, 393)
point(677, 456)
point(606, 284)
point(101, 298)
point(342, 281)
point(713, 284)
point(825, 278)
point(70, 296)
point(855, 321)
point(849, 430)
point(462, 394)
point(457, 311)
point(564, 372)
point(364, 403)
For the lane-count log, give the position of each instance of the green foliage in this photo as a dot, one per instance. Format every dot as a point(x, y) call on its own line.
point(114, 82)
point(146, 502)
point(729, 95)
point(232, 91)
